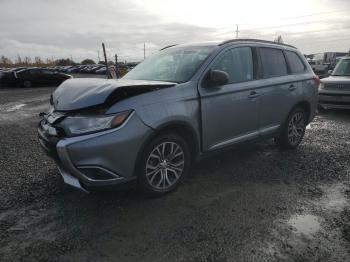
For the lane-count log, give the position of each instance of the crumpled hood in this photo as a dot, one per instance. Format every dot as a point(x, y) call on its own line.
point(74, 94)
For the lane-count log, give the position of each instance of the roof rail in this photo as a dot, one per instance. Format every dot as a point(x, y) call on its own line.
point(168, 46)
point(252, 40)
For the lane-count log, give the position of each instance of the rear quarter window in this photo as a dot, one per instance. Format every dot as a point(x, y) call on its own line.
point(273, 62)
point(295, 64)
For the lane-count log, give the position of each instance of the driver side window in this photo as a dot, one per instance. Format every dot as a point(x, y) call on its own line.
point(237, 63)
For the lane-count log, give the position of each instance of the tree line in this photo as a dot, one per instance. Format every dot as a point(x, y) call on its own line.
point(39, 62)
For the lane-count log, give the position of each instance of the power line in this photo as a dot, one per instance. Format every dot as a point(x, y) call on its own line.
point(310, 15)
point(307, 32)
point(317, 14)
point(292, 24)
point(285, 25)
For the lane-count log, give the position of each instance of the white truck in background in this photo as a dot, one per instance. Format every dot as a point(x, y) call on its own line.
point(322, 62)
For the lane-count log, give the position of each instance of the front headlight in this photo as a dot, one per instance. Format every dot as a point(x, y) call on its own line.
point(321, 86)
point(78, 125)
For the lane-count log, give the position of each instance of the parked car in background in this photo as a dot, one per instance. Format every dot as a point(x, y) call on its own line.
point(318, 66)
point(334, 91)
point(101, 71)
point(29, 77)
point(177, 106)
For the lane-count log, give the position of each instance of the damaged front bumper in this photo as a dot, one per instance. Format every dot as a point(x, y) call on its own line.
point(101, 159)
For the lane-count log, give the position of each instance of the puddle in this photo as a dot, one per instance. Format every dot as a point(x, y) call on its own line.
point(334, 199)
point(307, 225)
point(16, 107)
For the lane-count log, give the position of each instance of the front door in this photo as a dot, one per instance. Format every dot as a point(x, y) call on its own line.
point(230, 112)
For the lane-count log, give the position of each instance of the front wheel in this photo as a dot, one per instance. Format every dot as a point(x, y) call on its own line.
point(27, 83)
point(165, 162)
point(293, 130)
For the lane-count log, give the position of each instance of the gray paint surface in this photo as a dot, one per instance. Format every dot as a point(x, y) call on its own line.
point(219, 116)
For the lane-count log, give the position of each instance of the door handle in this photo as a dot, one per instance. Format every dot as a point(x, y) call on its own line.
point(292, 87)
point(253, 94)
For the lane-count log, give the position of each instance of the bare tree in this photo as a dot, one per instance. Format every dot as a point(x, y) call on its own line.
point(27, 60)
point(19, 60)
point(5, 61)
point(279, 39)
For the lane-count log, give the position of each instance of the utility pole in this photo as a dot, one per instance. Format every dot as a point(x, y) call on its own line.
point(237, 31)
point(105, 57)
point(144, 50)
point(116, 66)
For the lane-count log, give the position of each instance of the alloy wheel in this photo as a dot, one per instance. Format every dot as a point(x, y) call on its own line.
point(296, 128)
point(165, 165)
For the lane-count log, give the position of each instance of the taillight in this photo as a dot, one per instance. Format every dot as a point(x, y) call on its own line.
point(317, 80)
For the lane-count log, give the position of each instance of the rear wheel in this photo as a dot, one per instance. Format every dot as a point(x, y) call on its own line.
point(293, 130)
point(165, 162)
point(321, 109)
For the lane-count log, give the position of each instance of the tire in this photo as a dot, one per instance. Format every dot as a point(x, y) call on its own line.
point(321, 109)
point(159, 173)
point(293, 130)
point(27, 83)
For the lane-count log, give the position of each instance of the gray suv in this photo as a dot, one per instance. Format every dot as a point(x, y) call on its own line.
point(175, 107)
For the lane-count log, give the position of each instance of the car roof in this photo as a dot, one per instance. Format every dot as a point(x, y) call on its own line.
point(231, 41)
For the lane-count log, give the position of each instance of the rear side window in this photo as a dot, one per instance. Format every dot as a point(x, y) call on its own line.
point(47, 72)
point(33, 71)
point(237, 63)
point(273, 62)
point(295, 64)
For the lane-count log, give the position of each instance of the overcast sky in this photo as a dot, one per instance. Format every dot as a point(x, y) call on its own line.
point(65, 28)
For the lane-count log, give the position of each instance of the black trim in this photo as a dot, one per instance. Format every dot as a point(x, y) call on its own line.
point(332, 94)
point(256, 63)
point(334, 103)
point(168, 46)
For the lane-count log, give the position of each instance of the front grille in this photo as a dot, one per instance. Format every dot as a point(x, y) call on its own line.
point(336, 103)
point(48, 141)
point(338, 87)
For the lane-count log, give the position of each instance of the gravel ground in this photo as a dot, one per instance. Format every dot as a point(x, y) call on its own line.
point(254, 203)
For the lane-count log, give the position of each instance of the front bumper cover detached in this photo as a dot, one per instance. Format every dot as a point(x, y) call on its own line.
point(101, 159)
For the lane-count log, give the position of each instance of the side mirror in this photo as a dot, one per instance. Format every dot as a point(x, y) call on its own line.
point(219, 78)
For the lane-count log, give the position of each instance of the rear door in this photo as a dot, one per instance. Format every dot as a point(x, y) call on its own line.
point(278, 90)
point(48, 77)
point(34, 76)
point(230, 112)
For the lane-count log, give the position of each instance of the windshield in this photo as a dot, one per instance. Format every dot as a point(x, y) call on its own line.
point(171, 65)
point(342, 68)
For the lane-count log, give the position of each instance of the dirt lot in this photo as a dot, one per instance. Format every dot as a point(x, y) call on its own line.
point(254, 203)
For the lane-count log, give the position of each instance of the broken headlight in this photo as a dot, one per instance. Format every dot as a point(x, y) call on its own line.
point(78, 125)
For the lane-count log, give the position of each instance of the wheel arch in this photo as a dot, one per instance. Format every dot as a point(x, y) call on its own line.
point(181, 128)
point(306, 106)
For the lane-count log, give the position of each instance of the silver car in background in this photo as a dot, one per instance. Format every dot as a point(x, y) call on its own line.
point(177, 106)
point(334, 91)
